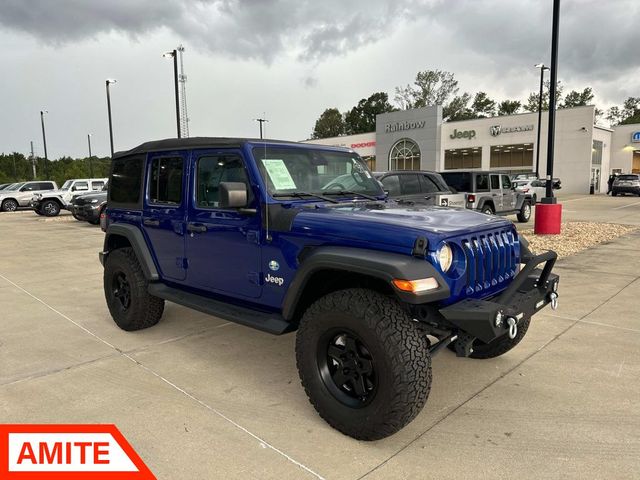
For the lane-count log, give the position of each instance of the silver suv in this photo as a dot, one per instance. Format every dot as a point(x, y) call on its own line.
point(20, 194)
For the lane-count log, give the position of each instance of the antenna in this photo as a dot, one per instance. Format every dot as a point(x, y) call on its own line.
point(182, 79)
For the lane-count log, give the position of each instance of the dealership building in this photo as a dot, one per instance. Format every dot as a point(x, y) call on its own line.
point(418, 139)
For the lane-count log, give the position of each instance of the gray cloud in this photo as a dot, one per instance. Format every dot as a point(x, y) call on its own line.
point(254, 29)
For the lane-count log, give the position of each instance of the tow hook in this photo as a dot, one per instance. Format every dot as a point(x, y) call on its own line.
point(513, 327)
point(553, 296)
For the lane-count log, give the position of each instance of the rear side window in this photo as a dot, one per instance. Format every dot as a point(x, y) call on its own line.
point(165, 180)
point(45, 186)
point(410, 184)
point(125, 182)
point(482, 183)
point(460, 182)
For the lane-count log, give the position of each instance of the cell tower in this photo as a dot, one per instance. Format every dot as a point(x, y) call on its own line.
point(182, 78)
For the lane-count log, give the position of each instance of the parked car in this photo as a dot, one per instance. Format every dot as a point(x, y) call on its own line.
point(534, 188)
point(50, 203)
point(20, 194)
point(491, 193)
point(420, 187)
point(254, 232)
point(89, 207)
point(626, 183)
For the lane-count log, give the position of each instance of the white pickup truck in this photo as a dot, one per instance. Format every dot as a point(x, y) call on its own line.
point(50, 203)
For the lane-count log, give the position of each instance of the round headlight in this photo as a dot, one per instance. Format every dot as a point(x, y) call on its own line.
point(445, 257)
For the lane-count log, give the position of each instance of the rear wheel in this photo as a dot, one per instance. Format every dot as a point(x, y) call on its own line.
point(363, 362)
point(50, 208)
point(488, 210)
point(125, 289)
point(9, 205)
point(525, 212)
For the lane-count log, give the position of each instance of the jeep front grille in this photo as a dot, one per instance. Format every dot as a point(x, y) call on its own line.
point(491, 260)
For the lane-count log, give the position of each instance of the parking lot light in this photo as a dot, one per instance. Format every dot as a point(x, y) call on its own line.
point(174, 54)
point(542, 68)
point(108, 82)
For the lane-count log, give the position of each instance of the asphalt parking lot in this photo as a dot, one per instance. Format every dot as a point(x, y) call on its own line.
point(201, 398)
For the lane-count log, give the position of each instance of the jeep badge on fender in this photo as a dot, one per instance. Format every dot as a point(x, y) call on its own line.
point(370, 281)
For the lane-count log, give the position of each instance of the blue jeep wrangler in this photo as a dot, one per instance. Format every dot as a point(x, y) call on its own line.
point(265, 234)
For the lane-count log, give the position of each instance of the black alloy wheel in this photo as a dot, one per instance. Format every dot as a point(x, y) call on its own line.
point(50, 208)
point(121, 290)
point(347, 368)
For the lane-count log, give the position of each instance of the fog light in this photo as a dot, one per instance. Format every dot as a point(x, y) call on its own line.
point(416, 286)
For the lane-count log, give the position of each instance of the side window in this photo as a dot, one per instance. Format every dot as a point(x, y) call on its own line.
point(211, 172)
point(429, 185)
point(391, 184)
point(126, 179)
point(80, 186)
point(482, 183)
point(97, 185)
point(506, 182)
point(495, 182)
point(165, 180)
point(45, 186)
point(410, 184)
point(29, 187)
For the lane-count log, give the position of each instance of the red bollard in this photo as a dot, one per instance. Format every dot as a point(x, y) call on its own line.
point(548, 219)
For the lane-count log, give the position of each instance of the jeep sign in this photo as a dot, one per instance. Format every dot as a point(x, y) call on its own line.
point(463, 134)
point(635, 137)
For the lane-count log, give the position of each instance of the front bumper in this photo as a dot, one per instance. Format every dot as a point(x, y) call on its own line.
point(490, 318)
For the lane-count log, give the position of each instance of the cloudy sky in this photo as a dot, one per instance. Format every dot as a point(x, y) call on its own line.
point(286, 59)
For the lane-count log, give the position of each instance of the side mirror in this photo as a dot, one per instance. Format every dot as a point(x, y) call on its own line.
point(233, 195)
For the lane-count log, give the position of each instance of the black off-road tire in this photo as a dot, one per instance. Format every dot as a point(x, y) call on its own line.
point(524, 215)
point(487, 210)
point(398, 352)
point(77, 217)
point(9, 205)
point(499, 346)
point(38, 211)
point(50, 208)
point(142, 310)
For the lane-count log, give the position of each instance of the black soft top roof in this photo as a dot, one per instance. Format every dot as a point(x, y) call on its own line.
point(207, 142)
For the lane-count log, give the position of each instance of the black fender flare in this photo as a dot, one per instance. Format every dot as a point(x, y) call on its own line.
point(381, 265)
point(483, 201)
point(139, 245)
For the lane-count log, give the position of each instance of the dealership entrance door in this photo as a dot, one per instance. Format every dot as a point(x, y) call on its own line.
point(635, 166)
point(595, 178)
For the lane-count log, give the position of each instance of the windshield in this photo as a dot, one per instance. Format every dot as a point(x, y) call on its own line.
point(288, 171)
point(66, 185)
point(15, 186)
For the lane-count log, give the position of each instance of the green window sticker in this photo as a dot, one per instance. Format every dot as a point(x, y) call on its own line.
point(279, 174)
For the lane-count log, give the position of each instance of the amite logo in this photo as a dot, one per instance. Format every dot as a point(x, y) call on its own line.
point(68, 451)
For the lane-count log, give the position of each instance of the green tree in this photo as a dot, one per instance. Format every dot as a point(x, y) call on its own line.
point(458, 108)
point(483, 106)
point(431, 87)
point(330, 124)
point(532, 100)
point(362, 117)
point(509, 107)
point(627, 114)
point(578, 99)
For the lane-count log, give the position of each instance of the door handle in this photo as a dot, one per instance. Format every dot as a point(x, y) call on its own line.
point(151, 222)
point(196, 228)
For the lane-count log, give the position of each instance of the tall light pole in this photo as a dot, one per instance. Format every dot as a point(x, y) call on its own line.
point(261, 121)
point(108, 82)
point(44, 141)
point(542, 68)
point(174, 54)
point(90, 163)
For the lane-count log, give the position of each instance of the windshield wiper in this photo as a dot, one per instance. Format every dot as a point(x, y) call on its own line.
point(350, 192)
point(304, 194)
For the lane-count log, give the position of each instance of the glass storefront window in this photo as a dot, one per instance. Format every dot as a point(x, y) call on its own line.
point(512, 156)
point(463, 158)
point(405, 155)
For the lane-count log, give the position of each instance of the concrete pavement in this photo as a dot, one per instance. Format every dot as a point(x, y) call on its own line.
point(198, 397)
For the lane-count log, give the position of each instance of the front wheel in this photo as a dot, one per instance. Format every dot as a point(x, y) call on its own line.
point(525, 213)
point(125, 289)
point(50, 208)
point(363, 362)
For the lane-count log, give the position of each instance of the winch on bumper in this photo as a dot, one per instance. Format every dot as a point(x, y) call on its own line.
point(490, 318)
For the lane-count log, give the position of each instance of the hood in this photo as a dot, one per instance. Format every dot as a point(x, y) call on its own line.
point(392, 223)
